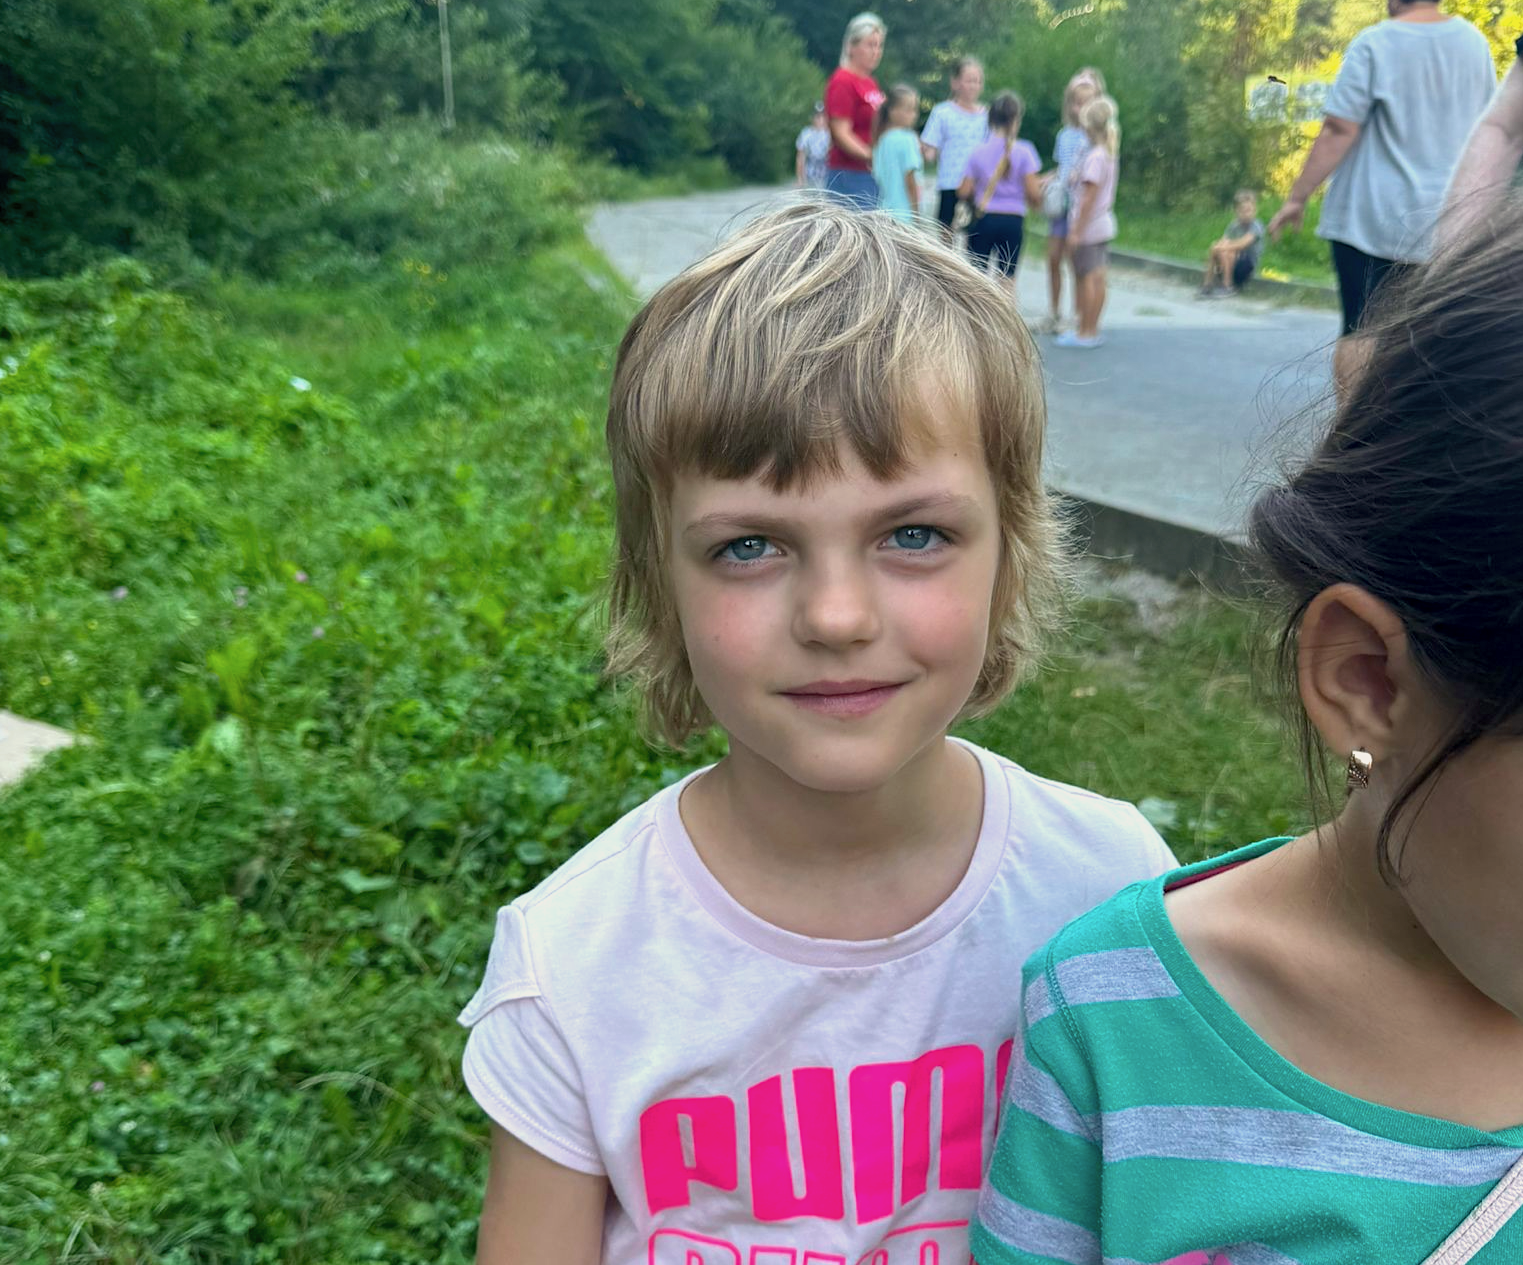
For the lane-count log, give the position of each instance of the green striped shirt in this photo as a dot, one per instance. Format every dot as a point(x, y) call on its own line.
point(1147, 1122)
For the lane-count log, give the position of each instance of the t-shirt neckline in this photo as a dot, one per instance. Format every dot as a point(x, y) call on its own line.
point(988, 851)
point(1264, 1060)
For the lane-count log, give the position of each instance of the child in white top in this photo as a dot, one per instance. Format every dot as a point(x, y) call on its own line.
point(723, 1031)
point(954, 129)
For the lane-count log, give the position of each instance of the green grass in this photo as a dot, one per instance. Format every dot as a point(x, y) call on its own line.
point(1187, 235)
point(335, 650)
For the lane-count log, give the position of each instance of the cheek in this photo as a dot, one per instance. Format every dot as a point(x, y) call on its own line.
point(723, 625)
point(951, 620)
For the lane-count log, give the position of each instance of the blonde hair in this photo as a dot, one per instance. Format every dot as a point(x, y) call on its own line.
point(1079, 83)
point(812, 328)
point(1100, 124)
point(1091, 73)
point(858, 29)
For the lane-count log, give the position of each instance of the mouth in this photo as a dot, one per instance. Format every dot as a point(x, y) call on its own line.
point(843, 698)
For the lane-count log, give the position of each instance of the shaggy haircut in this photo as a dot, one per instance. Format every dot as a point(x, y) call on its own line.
point(811, 328)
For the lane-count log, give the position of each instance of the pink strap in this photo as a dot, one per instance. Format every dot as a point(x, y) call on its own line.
point(1483, 1225)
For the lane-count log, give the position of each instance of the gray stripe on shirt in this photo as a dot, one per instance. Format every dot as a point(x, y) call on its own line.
point(1115, 975)
point(1292, 1140)
point(1036, 1233)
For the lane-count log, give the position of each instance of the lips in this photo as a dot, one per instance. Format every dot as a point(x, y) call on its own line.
point(843, 698)
point(842, 687)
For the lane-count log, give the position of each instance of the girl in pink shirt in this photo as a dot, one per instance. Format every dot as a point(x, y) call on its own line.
point(1092, 226)
point(766, 1015)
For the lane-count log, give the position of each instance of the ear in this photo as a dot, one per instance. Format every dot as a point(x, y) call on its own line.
point(1355, 673)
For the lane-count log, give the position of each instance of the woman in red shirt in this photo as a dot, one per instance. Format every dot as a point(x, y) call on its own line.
point(852, 98)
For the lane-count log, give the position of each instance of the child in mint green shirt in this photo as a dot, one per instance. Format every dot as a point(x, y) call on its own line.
point(897, 161)
point(1310, 1051)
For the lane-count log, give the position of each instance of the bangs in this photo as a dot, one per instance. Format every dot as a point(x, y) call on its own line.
point(820, 342)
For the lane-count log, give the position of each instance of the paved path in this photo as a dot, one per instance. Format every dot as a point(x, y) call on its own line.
point(1175, 418)
point(23, 743)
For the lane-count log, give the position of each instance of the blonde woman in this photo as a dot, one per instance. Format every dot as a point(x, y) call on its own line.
point(1067, 150)
point(852, 98)
point(1093, 226)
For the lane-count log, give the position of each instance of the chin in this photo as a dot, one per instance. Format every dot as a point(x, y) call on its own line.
point(835, 765)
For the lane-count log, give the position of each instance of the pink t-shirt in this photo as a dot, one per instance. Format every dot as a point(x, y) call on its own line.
point(1097, 167)
point(758, 1097)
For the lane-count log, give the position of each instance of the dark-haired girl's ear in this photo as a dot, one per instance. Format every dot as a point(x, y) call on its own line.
point(1356, 677)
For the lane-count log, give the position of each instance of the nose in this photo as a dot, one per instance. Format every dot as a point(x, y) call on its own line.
point(835, 605)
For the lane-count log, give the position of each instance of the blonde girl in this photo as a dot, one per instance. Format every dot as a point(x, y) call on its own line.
point(1093, 226)
point(1067, 151)
point(721, 1031)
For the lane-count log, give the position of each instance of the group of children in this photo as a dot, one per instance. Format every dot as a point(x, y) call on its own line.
point(778, 1014)
point(984, 166)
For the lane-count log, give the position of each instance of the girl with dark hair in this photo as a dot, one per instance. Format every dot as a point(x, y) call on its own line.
point(1001, 179)
point(1311, 1049)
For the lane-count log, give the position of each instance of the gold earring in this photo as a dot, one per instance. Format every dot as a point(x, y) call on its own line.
point(1360, 762)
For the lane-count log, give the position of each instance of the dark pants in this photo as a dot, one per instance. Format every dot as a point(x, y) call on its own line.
point(1360, 277)
point(946, 207)
point(998, 235)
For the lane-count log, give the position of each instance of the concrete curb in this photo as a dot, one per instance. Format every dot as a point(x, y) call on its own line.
point(1150, 543)
point(1304, 292)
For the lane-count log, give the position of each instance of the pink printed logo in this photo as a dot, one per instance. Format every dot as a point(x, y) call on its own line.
point(772, 1197)
point(911, 1245)
point(709, 1156)
point(688, 1142)
point(872, 1127)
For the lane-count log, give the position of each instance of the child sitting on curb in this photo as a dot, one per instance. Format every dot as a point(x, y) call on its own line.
point(1234, 256)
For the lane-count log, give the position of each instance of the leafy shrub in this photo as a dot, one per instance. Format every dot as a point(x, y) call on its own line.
point(331, 642)
point(354, 200)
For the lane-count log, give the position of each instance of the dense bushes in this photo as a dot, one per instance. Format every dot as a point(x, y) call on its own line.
point(322, 606)
point(189, 131)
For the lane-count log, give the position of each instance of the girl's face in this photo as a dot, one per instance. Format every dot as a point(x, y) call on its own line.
point(836, 631)
point(968, 86)
point(819, 120)
point(867, 52)
point(1080, 95)
point(904, 112)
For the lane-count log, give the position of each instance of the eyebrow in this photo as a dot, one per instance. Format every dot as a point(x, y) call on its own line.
point(937, 503)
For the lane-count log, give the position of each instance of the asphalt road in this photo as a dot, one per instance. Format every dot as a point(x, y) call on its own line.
point(1179, 416)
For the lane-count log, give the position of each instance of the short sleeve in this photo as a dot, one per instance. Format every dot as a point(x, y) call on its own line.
point(517, 1063)
point(934, 129)
point(975, 169)
point(914, 160)
point(840, 97)
point(1041, 1198)
point(1092, 169)
point(1031, 160)
point(803, 140)
point(1353, 92)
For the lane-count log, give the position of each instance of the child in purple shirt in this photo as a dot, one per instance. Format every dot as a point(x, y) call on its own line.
point(1001, 180)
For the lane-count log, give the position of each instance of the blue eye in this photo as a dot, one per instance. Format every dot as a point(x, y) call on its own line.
point(745, 549)
point(916, 539)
